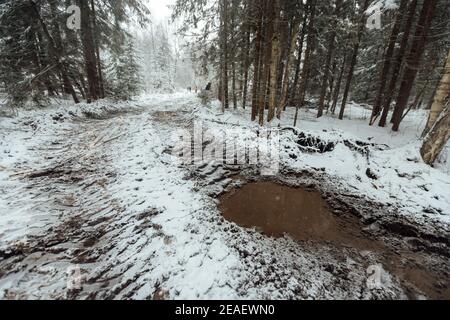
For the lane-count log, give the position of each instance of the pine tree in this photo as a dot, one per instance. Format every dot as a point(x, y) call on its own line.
point(40, 57)
point(125, 76)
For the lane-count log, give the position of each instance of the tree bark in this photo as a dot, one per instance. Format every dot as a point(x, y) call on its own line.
point(441, 96)
point(257, 59)
point(413, 60)
point(265, 72)
point(337, 90)
point(387, 61)
point(58, 43)
point(299, 57)
point(288, 68)
point(331, 86)
point(398, 64)
point(354, 58)
point(233, 59)
point(438, 137)
point(274, 59)
point(36, 53)
point(331, 47)
point(246, 59)
point(224, 41)
point(89, 50)
point(307, 63)
point(97, 52)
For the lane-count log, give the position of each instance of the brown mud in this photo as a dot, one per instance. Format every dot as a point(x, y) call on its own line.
point(303, 214)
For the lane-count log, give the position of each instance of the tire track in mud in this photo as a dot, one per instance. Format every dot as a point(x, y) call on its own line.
point(104, 238)
point(73, 190)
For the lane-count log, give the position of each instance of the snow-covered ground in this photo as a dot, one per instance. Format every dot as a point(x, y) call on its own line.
point(93, 189)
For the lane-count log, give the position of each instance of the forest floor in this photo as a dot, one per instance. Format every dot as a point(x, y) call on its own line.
point(95, 191)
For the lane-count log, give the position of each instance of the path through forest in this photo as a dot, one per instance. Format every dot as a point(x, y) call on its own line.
point(98, 208)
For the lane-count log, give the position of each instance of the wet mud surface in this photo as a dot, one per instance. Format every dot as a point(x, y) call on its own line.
point(302, 213)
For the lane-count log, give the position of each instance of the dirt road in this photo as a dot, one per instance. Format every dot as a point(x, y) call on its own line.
point(100, 210)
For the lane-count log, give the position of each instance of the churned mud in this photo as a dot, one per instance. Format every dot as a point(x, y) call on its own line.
point(278, 210)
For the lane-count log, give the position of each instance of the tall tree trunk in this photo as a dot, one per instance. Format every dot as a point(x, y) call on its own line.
point(274, 59)
point(246, 63)
point(398, 64)
point(46, 52)
point(89, 50)
point(220, 92)
point(438, 137)
point(285, 32)
point(371, 86)
point(331, 47)
point(307, 63)
point(331, 86)
point(36, 53)
point(233, 84)
point(257, 58)
point(441, 97)
point(233, 59)
point(58, 43)
point(413, 60)
point(225, 81)
point(97, 52)
point(79, 87)
point(288, 67)
point(337, 90)
point(387, 61)
point(84, 86)
point(299, 57)
point(354, 58)
point(265, 71)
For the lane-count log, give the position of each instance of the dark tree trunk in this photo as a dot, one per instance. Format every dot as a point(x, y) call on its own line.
point(233, 48)
point(293, 89)
point(413, 60)
point(257, 59)
point(307, 63)
point(288, 67)
point(97, 52)
point(337, 90)
point(225, 81)
point(331, 46)
point(331, 86)
point(354, 59)
point(387, 61)
point(274, 59)
point(36, 54)
point(90, 59)
point(265, 71)
point(246, 68)
point(398, 64)
point(58, 43)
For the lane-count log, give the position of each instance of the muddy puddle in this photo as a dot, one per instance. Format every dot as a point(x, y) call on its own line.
point(276, 210)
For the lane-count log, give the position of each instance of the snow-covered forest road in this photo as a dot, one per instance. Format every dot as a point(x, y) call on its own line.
point(93, 206)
